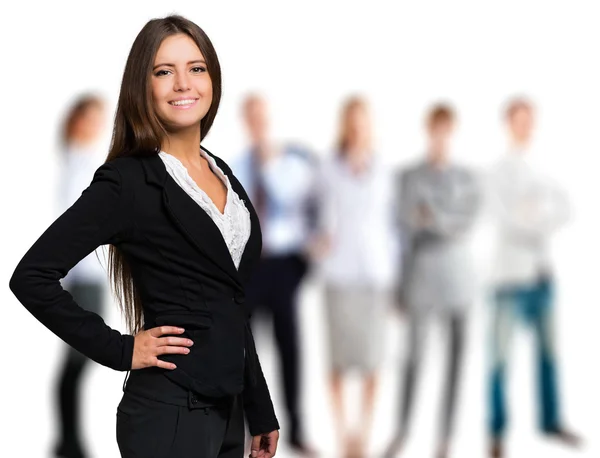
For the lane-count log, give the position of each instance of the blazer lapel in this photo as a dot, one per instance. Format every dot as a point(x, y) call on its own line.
point(193, 222)
point(253, 248)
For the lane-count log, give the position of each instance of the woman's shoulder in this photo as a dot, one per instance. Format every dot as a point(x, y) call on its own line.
point(126, 166)
point(125, 170)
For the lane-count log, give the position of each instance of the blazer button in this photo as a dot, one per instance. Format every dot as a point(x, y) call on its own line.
point(239, 298)
point(194, 400)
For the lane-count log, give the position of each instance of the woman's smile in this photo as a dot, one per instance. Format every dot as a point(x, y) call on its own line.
point(184, 103)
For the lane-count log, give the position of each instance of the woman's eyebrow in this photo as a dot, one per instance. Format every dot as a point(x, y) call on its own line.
point(197, 61)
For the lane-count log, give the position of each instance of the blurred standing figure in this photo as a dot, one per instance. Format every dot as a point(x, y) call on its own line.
point(529, 208)
point(359, 267)
point(279, 179)
point(437, 205)
point(86, 282)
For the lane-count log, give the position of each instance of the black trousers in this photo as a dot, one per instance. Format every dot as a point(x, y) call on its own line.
point(67, 397)
point(187, 425)
point(273, 288)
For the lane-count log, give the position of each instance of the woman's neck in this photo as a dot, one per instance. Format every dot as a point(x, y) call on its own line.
point(358, 158)
point(184, 145)
point(358, 148)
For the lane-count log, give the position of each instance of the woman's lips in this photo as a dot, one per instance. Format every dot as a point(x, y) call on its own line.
point(183, 104)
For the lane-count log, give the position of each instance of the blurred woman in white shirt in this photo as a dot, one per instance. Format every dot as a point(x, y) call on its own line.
point(80, 157)
point(359, 267)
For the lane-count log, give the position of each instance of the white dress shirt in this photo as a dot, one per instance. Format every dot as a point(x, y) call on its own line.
point(234, 222)
point(528, 207)
point(357, 214)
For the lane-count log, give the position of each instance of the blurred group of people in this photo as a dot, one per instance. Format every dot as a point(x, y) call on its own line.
point(378, 237)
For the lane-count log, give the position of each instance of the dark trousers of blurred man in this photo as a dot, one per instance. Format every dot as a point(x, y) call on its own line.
point(273, 290)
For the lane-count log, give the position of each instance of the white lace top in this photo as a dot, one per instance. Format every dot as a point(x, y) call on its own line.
point(234, 223)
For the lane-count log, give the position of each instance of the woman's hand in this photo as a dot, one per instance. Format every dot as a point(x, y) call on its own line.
point(148, 345)
point(264, 445)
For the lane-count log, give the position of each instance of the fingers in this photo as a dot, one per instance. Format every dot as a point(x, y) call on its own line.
point(161, 330)
point(172, 350)
point(255, 446)
point(264, 446)
point(148, 345)
point(273, 439)
point(174, 341)
point(164, 364)
point(156, 345)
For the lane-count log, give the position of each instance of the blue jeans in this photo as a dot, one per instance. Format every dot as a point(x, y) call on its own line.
point(533, 306)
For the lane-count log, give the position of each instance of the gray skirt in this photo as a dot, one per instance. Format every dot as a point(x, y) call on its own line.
point(356, 322)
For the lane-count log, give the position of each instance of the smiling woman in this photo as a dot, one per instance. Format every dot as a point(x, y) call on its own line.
point(184, 239)
point(181, 88)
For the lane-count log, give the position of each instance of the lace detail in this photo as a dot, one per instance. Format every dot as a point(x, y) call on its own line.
point(234, 222)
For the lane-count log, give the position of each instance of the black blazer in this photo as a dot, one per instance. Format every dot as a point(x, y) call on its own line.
point(182, 270)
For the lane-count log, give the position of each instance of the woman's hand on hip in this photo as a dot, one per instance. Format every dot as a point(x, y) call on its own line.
point(264, 445)
point(149, 344)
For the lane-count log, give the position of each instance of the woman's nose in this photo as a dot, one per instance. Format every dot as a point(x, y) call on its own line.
point(181, 82)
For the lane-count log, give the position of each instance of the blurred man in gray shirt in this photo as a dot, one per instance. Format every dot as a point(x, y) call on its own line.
point(437, 205)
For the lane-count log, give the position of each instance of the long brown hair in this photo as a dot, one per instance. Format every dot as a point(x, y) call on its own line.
point(138, 131)
point(352, 103)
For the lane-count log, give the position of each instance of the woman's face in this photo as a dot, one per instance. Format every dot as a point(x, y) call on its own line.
point(90, 124)
point(357, 126)
point(181, 86)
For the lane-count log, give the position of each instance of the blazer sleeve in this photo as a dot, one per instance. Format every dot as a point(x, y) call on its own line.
point(258, 406)
point(97, 218)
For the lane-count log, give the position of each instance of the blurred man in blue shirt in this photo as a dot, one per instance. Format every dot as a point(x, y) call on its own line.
point(279, 180)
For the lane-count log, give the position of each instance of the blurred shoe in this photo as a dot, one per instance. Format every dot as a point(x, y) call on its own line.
point(443, 450)
point(566, 437)
point(496, 449)
point(66, 450)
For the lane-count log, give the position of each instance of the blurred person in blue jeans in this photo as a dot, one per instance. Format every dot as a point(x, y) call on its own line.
point(81, 155)
point(279, 179)
point(529, 208)
point(358, 250)
point(438, 201)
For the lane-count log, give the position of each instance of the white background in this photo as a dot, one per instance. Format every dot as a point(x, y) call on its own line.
point(306, 57)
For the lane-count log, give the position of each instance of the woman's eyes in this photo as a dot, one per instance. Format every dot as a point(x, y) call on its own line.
point(193, 70)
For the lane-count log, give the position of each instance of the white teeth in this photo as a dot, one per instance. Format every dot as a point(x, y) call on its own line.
point(182, 102)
